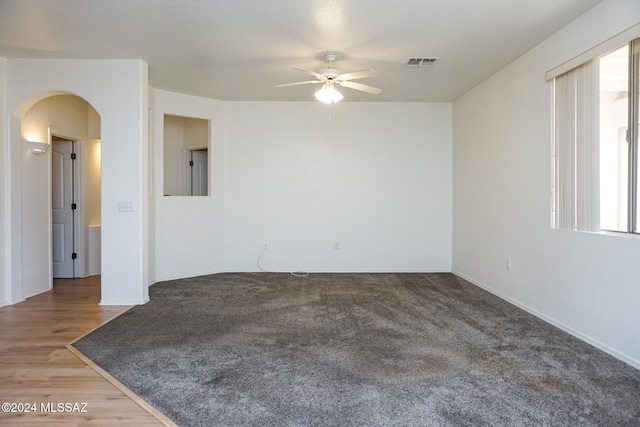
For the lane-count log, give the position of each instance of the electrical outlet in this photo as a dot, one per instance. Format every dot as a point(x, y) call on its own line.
point(336, 245)
point(125, 206)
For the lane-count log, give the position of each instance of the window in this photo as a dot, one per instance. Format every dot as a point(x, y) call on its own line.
point(596, 184)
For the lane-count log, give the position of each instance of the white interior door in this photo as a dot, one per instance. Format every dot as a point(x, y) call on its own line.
point(62, 212)
point(199, 172)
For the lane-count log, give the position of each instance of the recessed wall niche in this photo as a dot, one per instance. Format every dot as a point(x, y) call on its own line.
point(186, 156)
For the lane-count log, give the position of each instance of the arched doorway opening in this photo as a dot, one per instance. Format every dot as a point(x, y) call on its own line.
point(60, 174)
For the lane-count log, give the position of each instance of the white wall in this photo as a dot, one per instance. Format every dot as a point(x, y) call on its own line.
point(375, 177)
point(188, 237)
point(119, 92)
point(5, 224)
point(66, 113)
point(172, 151)
point(91, 181)
point(90, 171)
point(196, 133)
point(589, 284)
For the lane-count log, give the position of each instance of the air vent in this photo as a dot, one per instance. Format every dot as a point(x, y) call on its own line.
point(421, 61)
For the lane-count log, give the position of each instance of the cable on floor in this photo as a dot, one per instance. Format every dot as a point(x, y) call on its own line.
point(293, 273)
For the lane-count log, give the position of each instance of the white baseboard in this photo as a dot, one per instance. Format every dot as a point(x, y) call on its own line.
point(37, 292)
point(611, 351)
point(267, 269)
point(124, 301)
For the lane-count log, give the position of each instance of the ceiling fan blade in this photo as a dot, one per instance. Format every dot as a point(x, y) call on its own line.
point(368, 72)
point(318, 76)
point(359, 86)
point(298, 83)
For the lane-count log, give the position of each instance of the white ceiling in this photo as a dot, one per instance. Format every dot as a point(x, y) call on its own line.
point(239, 49)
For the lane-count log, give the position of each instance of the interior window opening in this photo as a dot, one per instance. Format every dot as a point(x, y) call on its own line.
point(186, 156)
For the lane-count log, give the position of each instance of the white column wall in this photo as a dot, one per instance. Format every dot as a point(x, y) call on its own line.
point(118, 90)
point(588, 284)
point(189, 231)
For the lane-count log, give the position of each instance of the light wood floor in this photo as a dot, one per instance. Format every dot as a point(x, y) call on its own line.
point(36, 367)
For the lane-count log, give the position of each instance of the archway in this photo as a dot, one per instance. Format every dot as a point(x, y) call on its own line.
point(41, 119)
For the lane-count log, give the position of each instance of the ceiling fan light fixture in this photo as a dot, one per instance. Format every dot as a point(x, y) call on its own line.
point(328, 94)
point(329, 77)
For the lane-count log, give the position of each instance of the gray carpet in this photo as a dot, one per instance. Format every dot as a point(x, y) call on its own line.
point(265, 349)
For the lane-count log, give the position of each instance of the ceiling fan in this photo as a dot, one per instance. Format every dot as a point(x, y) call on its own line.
point(329, 77)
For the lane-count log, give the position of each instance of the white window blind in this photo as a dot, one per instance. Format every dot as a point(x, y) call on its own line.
point(576, 148)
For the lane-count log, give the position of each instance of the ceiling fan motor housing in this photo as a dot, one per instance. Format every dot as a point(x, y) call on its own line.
point(329, 72)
